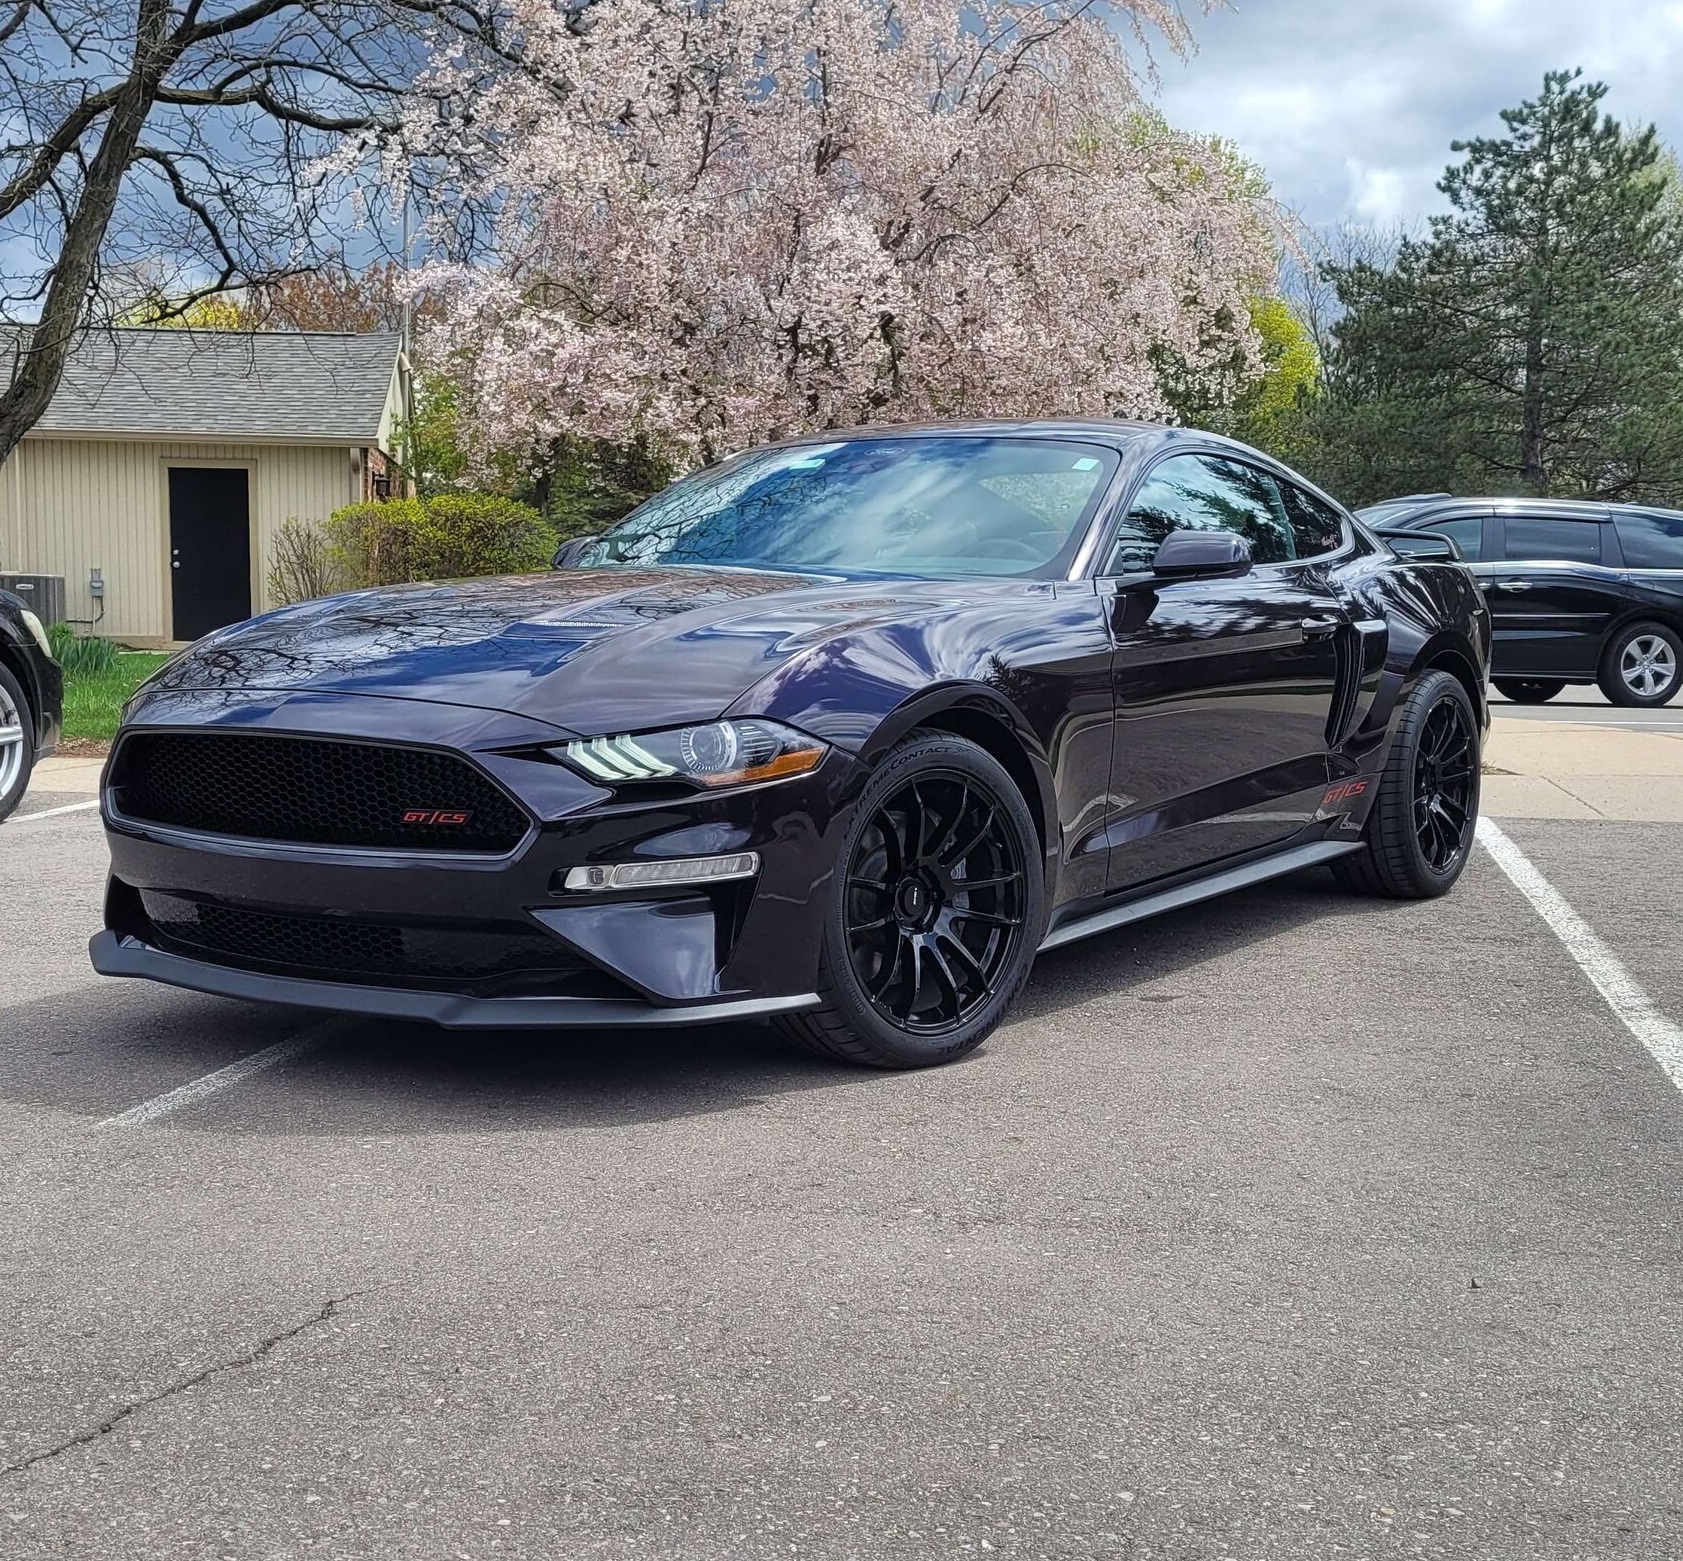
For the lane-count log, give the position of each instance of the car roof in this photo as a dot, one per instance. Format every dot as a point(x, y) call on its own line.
point(1113, 427)
point(1116, 431)
point(1409, 512)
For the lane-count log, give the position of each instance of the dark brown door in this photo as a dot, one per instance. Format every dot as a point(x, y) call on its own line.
point(209, 548)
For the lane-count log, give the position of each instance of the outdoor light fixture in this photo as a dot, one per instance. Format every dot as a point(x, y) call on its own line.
point(664, 875)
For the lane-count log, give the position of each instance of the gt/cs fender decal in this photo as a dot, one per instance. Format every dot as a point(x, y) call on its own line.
point(1347, 792)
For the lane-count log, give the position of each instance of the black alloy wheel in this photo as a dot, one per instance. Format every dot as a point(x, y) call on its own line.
point(1528, 691)
point(1420, 833)
point(937, 911)
point(1443, 785)
point(935, 895)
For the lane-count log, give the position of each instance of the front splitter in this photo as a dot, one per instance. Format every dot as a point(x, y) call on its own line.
point(115, 955)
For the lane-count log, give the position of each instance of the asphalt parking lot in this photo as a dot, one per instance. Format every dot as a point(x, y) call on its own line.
point(1292, 1226)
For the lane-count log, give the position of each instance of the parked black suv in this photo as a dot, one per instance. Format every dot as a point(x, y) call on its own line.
point(1579, 592)
point(31, 698)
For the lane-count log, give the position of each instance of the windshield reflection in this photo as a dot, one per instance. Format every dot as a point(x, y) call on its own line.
point(936, 505)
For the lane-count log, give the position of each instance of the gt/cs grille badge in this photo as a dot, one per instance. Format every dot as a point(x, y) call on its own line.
point(434, 816)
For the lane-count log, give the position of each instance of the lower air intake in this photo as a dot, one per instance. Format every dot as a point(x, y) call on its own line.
point(332, 947)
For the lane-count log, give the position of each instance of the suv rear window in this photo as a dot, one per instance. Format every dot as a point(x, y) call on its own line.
point(1651, 541)
point(1466, 531)
point(1553, 541)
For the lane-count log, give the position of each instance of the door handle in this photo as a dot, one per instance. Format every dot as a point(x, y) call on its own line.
point(1319, 628)
point(1513, 585)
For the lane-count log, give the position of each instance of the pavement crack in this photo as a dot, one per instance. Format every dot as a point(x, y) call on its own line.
point(249, 1357)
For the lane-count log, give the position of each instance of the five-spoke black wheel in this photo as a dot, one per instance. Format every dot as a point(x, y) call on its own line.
point(1420, 831)
point(936, 914)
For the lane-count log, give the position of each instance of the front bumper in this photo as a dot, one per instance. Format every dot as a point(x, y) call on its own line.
point(116, 955)
point(680, 957)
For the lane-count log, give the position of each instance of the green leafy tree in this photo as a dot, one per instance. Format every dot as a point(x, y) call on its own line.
point(1529, 342)
point(1263, 400)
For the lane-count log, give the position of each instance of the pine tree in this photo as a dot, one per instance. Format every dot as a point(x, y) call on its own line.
point(1531, 341)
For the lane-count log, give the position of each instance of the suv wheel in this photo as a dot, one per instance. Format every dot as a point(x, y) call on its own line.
point(1420, 831)
point(17, 743)
point(1641, 664)
point(1528, 691)
point(934, 913)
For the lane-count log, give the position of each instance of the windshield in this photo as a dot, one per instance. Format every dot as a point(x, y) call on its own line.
point(941, 505)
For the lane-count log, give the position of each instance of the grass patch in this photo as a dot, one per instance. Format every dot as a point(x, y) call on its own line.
point(94, 699)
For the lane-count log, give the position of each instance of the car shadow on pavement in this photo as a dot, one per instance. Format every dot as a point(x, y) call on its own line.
point(101, 1049)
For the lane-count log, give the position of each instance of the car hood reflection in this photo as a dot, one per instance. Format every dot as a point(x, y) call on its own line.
point(585, 649)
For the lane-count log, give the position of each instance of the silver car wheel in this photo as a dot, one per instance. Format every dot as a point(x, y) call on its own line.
point(11, 743)
point(1648, 666)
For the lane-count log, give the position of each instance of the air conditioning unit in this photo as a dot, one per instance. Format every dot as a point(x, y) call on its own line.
point(43, 595)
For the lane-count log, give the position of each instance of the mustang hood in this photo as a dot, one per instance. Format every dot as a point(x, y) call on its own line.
point(586, 650)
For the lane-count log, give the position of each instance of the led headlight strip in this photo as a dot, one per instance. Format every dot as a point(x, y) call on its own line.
point(720, 753)
point(662, 875)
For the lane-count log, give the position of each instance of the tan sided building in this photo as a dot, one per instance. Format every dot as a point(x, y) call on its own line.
point(169, 458)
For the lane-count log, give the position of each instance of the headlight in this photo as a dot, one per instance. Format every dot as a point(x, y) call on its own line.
point(38, 633)
point(721, 753)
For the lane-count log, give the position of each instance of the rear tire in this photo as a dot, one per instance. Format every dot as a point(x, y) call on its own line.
point(1641, 665)
point(933, 914)
point(1528, 691)
point(1420, 831)
point(17, 753)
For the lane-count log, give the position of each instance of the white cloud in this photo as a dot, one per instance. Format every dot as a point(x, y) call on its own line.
point(1351, 104)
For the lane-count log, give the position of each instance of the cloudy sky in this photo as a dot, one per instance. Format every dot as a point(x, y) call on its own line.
point(1351, 104)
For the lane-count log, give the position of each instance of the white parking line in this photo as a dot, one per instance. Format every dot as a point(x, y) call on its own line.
point(69, 807)
point(1622, 992)
point(224, 1078)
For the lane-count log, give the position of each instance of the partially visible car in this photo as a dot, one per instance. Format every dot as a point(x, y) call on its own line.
point(31, 699)
point(1579, 592)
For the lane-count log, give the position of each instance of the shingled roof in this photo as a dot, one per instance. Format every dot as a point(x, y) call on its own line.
point(288, 386)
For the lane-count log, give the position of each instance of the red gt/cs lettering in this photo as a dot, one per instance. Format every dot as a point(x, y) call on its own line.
point(1344, 793)
point(434, 816)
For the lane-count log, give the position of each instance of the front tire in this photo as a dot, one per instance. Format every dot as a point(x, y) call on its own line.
point(1420, 831)
point(934, 913)
point(17, 743)
point(1528, 691)
point(1641, 665)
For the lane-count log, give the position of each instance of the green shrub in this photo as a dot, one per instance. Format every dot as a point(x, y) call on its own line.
point(448, 537)
point(79, 656)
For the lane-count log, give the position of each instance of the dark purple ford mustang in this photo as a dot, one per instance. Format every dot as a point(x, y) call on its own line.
point(837, 733)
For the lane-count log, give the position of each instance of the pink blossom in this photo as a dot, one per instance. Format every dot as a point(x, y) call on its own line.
point(726, 222)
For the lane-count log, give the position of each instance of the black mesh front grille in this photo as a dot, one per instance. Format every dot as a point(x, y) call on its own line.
point(336, 948)
point(314, 791)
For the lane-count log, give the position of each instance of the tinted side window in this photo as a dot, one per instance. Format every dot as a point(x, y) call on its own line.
point(1203, 493)
point(1316, 526)
point(1553, 541)
point(1651, 541)
point(1467, 533)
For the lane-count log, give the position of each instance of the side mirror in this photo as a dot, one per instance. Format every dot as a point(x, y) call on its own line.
point(570, 552)
point(1429, 546)
point(1202, 555)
